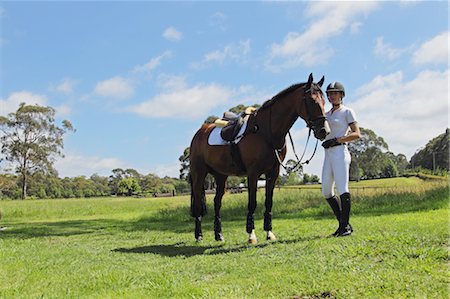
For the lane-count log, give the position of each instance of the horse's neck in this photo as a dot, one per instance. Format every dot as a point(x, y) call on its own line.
point(279, 118)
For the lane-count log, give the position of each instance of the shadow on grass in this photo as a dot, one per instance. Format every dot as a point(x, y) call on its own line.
point(55, 229)
point(177, 220)
point(181, 249)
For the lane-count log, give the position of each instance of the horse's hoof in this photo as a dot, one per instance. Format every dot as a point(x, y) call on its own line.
point(198, 239)
point(270, 236)
point(220, 238)
point(252, 238)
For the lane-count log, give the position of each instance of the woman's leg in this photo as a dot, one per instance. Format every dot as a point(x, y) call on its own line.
point(341, 170)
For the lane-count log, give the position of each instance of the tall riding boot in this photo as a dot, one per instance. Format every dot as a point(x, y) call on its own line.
point(345, 229)
point(333, 202)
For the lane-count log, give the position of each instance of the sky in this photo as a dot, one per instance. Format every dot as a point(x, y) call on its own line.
point(137, 79)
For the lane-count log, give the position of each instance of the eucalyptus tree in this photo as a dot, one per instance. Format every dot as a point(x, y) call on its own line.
point(371, 157)
point(31, 140)
point(184, 160)
point(435, 154)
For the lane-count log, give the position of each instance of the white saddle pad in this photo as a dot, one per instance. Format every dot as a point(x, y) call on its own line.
point(215, 138)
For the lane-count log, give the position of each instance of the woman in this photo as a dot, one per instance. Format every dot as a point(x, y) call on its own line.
point(336, 165)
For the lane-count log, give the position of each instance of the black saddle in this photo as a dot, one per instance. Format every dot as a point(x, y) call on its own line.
point(235, 122)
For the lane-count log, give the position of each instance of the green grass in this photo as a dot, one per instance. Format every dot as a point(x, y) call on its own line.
point(145, 248)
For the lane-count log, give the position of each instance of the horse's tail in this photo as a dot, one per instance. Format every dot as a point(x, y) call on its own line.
point(203, 200)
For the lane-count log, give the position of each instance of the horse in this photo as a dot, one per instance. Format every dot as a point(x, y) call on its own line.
point(263, 140)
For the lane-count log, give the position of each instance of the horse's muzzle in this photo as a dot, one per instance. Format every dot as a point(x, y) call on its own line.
point(320, 132)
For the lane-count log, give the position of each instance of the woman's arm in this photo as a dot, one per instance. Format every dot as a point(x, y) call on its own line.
point(354, 134)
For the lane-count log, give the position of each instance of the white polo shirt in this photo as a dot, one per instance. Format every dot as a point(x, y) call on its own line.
point(339, 121)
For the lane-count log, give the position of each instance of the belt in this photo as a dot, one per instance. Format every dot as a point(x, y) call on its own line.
point(338, 144)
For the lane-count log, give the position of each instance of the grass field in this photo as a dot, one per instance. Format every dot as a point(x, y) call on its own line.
point(145, 248)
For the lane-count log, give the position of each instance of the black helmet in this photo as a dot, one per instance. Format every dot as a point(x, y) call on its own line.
point(336, 86)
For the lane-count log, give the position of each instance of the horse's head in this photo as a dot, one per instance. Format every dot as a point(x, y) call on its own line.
point(313, 111)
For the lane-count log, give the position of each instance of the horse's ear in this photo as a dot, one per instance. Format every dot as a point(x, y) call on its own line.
point(310, 78)
point(320, 83)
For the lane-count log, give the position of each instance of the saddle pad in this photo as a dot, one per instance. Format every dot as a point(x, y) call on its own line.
point(215, 138)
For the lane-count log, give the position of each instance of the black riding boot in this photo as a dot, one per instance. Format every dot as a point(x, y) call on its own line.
point(345, 229)
point(333, 202)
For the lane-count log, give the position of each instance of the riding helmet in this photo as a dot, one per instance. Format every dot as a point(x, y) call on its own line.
point(336, 86)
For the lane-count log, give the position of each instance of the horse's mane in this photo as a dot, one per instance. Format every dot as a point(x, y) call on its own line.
point(282, 93)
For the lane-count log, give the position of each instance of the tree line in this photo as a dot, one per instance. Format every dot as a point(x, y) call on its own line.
point(122, 182)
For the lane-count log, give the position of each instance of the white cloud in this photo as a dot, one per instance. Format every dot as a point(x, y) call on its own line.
point(407, 3)
point(75, 165)
point(407, 114)
point(11, 103)
point(219, 20)
point(329, 19)
point(236, 52)
point(63, 110)
point(171, 170)
point(153, 63)
point(117, 88)
point(355, 27)
point(172, 34)
point(66, 86)
point(183, 101)
point(171, 82)
point(386, 51)
point(434, 51)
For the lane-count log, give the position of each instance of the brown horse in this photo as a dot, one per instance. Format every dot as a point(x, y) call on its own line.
point(265, 134)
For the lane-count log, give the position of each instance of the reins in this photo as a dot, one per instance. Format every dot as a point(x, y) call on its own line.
point(299, 162)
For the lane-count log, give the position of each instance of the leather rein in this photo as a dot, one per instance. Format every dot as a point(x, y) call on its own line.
point(311, 124)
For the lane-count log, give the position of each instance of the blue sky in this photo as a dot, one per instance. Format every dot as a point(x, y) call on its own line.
point(137, 79)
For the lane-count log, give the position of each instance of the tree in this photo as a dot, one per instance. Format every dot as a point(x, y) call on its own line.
point(294, 173)
point(181, 186)
point(150, 182)
point(184, 168)
point(371, 157)
point(233, 181)
point(435, 154)
point(132, 173)
point(114, 179)
point(100, 185)
point(129, 186)
point(31, 140)
point(8, 186)
point(310, 178)
point(400, 162)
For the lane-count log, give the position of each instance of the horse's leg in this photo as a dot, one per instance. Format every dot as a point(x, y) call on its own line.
point(220, 190)
point(271, 178)
point(198, 200)
point(252, 188)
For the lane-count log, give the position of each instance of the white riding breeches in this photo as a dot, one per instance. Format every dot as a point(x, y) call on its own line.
point(336, 167)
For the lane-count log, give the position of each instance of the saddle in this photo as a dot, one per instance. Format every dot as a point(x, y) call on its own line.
point(231, 123)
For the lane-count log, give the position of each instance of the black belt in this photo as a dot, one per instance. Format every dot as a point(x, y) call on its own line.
point(338, 144)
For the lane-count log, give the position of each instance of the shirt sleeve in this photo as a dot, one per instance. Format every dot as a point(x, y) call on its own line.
point(351, 116)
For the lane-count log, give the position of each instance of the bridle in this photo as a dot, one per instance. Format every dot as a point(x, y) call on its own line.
point(312, 124)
